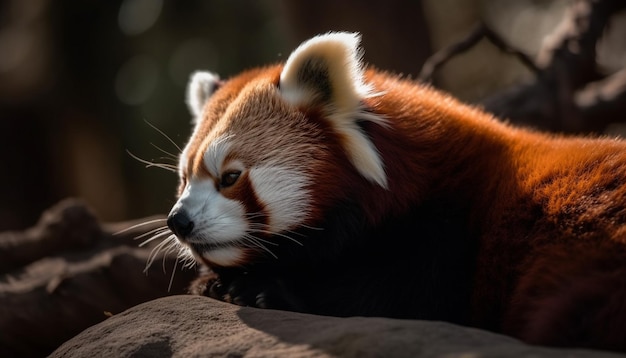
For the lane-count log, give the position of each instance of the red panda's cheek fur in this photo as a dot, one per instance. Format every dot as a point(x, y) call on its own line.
point(332, 178)
point(335, 182)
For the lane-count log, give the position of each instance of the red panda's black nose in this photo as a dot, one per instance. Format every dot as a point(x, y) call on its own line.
point(180, 223)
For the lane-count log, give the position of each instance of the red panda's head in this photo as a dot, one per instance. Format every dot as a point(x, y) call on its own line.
point(272, 149)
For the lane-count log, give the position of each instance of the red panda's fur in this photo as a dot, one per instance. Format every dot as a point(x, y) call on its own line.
point(482, 223)
point(550, 212)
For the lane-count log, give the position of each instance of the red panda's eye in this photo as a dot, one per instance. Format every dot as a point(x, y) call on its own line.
point(229, 178)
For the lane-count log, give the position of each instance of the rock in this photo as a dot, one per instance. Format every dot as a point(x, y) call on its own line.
point(70, 272)
point(195, 326)
point(70, 224)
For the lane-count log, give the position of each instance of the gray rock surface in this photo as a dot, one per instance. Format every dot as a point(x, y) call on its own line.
point(194, 326)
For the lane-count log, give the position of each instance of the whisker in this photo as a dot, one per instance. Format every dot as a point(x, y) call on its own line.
point(254, 240)
point(259, 228)
point(163, 157)
point(166, 247)
point(170, 248)
point(280, 235)
point(153, 253)
point(185, 254)
point(169, 167)
point(156, 250)
point(258, 214)
point(157, 236)
point(257, 240)
point(263, 240)
point(313, 227)
point(153, 231)
point(255, 215)
point(139, 225)
point(295, 233)
point(169, 155)
point(169, 287)
point(165, 135)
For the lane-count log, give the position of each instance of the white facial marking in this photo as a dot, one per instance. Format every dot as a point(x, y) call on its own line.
point(217, 220)
point(225, 256)
point(215, 154)
point(282, 191)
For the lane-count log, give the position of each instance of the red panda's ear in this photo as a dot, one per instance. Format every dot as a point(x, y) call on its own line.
point(201, 86)
point(325, 73)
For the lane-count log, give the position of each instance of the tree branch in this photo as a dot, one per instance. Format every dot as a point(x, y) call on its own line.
point(480, 31)
point(563, 96)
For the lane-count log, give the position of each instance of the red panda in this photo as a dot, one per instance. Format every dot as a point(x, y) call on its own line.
point(322, 186)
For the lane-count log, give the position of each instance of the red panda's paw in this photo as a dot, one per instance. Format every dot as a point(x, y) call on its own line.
point(201, 285)
point(254, 291)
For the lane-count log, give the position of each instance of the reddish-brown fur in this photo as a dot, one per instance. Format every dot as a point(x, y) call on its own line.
point(548, 212)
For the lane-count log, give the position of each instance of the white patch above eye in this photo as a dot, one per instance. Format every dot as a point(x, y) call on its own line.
point(283, 192)
point(201, 86)
point(326, 72)
point(215, 153)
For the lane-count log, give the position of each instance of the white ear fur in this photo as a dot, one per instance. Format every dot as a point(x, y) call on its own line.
point(326, 67)
point(326, 72)
point(201, 86)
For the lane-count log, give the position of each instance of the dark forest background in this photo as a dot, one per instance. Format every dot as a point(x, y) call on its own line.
point(83, 82)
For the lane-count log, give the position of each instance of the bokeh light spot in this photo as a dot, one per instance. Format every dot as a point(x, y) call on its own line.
point(137, 16)
point(136, 80)
point(191, 55)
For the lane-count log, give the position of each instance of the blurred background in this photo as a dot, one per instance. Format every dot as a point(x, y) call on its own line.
point(82, 83)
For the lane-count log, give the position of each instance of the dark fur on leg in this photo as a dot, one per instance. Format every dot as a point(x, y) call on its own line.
point(569, 299)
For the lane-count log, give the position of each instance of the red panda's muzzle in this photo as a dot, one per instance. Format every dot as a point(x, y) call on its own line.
point(179, 222)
